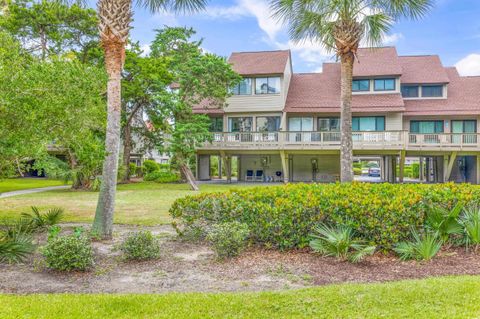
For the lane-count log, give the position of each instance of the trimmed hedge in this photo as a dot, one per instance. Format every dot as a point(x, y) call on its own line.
point(162, 177)
point(283, 216)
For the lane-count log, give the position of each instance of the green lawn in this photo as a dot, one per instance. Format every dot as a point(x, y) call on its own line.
point(448, 297)
point(145, 203)
point(15, 184)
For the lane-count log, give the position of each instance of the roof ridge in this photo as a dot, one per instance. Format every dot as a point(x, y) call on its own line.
point(417, 55)
point(262, 51)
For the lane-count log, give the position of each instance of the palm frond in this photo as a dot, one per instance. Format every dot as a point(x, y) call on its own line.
point(184, 6)
point(16, 249)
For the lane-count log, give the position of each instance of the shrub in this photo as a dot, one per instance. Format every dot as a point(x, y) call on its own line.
point(423, 247)
point(69, 252)
point(162, 177)
point(228, 239)
point(284, 216)
point(340, 242)
point(140, 246)
point(150, 166)
point(132, 169)
point(357, 171)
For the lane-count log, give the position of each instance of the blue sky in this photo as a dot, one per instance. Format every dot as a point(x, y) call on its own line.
point(451, 30)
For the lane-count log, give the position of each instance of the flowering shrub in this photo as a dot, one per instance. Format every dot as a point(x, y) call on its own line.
point(284, 216)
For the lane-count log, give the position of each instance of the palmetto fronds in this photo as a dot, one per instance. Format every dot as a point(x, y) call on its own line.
point(422, 247)
point(340, 242)
point(40, 220)
point(470, 221)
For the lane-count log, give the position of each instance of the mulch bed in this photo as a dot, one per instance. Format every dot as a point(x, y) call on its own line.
point(185, 267)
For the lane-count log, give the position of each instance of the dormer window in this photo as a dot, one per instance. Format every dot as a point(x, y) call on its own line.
point(243, 88)
point(269, 85)
point(410, 91)
point(360, 85)
point(384, 85)
point(432, 90)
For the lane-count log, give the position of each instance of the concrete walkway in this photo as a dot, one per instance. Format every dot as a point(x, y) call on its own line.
point(32, 191)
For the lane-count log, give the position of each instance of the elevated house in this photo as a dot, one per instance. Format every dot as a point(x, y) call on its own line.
point(285, 126)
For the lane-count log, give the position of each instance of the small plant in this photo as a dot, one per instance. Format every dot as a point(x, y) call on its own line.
point(470, 221)
point(423, 247)
point(228, 239)
point(70, 252)
point(142, 245)
point(54, 231)
point(444, 221)
point(339, 241)
point(16, 248)
point(40, 220)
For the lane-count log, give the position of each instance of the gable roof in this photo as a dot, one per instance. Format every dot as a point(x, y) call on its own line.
point(423, 69)
point(376, 62)
point(259, 63)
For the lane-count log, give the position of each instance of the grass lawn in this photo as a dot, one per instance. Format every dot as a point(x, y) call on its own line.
point(145, 203)
point(448, 297)
point(15, 184)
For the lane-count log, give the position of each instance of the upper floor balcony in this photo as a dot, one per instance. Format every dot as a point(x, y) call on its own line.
point(382, 140)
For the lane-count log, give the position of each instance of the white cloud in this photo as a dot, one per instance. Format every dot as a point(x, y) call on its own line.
point(469, 65)
point(146, 49)
point(164, 18)
point(392, 39)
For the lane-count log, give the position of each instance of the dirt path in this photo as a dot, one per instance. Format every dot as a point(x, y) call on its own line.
point(32, 191)
point(185, 267)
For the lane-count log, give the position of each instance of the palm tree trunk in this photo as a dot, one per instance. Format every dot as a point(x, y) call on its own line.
point(103, 222)
point(346, 148)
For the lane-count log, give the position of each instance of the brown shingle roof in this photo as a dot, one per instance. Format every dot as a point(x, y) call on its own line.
point(259, 63)
point(463, 98)
point(320, 92)
point(423, 69)
point(376, 62)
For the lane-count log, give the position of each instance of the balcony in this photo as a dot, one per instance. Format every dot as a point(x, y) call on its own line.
point(385, 140)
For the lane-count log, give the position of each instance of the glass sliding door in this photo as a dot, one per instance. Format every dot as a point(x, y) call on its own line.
point(330, 128)
point(240, 125)
point(429, 130)
point(299, 125)
point(464, 131)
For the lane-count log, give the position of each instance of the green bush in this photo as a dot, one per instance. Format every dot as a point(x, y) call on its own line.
point(357, 171)
point(415, 170)
point(140, 245)
point(284, 216)
point(133, 169)
point(150, 166)
point(228, 239)
point(70, 252)
point(162, 177)
point(423, 246)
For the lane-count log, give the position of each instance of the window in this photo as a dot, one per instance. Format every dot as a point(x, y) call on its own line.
point(329, 124)
point(368, 123)
point(360, 85)
point(240, 124)
point(268, 123)
point(432, 90)
point(270, 85)
point(464, 131)
point(243, 88)
point(216, 124)
point(299, 124)
point(384, 85)
point(426, 127)
point(410, 91)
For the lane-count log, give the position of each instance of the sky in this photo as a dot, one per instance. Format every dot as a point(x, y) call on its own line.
point(451, 30)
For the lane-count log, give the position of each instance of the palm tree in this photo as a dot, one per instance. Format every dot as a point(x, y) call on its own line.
point(340, 26)
point(114, 26)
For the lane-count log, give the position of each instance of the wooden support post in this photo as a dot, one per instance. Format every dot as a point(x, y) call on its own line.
point(402, 166)
point(227, 164)
point(284, 159)
point(445, 168)
point(451, 162)
point(220, 168)
point(421, 170)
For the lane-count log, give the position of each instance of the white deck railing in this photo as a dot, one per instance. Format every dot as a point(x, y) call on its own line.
point(331, 140)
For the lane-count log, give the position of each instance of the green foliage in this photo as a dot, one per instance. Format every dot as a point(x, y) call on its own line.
point(470, 221)
point(357, 171)
point(340, 242)
point(284, 216)
point(133, 169)
point(444, 221)
point(162, 177)
point(423, 246)
point(42, 221)
point(228, 239)
point(16, 241)
point(140, 245)
point(415, 170)
point(150, 166)
point(68, 252)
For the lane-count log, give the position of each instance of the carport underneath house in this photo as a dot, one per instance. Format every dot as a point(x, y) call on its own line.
point(324, 166)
